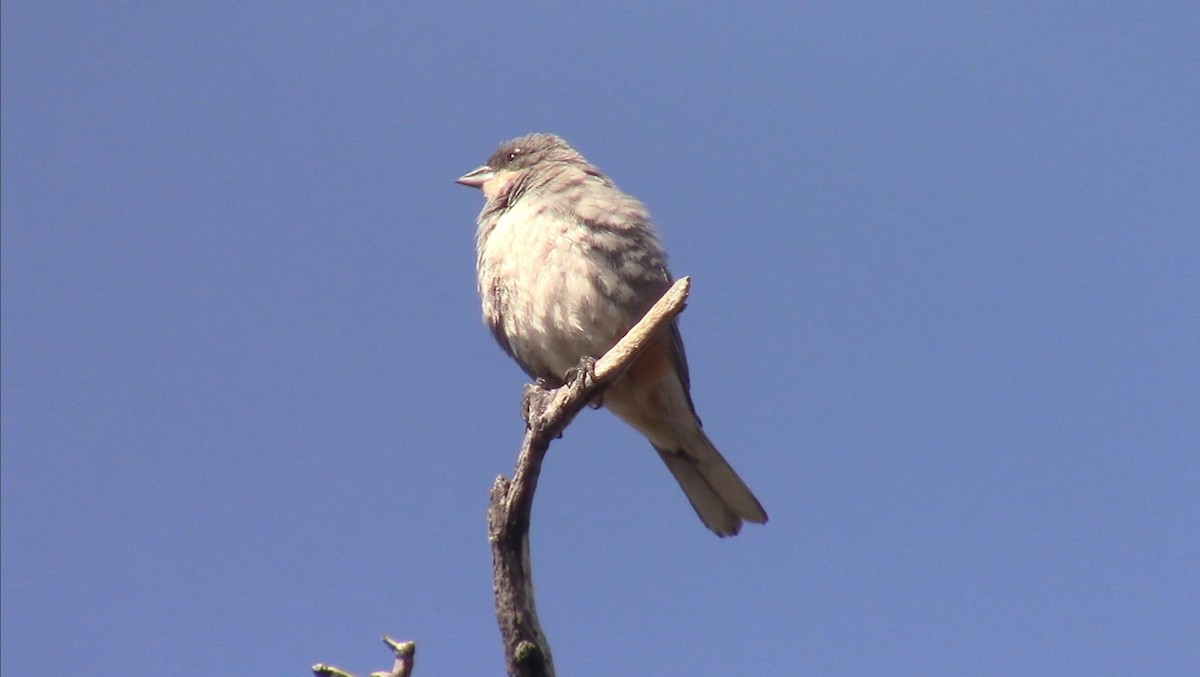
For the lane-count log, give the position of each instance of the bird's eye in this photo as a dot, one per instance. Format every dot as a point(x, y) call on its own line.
point(514, 154)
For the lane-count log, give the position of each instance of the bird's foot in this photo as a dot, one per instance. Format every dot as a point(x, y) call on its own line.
point(534, 400)
point(583, 376)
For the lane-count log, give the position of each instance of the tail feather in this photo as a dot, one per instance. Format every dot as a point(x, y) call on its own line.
point(720, 498)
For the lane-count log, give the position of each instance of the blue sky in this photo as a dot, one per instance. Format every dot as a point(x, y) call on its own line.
point(944, 322)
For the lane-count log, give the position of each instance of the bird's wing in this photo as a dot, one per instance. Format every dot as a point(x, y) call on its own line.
point(679, 360)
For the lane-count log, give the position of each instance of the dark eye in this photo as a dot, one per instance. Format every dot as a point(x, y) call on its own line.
point(516, 153)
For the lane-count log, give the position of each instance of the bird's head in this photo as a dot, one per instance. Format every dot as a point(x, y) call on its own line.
point(516, 158)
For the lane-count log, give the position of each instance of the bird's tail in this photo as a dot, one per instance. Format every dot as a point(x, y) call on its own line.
point(720, 498)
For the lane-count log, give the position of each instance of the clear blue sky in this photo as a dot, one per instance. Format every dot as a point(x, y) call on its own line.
point(944, 320)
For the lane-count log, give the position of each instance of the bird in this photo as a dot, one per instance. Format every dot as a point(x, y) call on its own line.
point(567, 263)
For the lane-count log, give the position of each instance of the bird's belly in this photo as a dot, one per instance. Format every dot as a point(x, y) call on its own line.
point(551, 298)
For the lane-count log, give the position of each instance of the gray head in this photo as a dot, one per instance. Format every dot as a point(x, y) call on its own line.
point(521, 154)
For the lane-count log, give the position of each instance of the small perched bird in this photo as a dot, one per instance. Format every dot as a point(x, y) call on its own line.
point(567, 263)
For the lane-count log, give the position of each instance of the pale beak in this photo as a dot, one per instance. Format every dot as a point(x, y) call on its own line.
point(476, 177)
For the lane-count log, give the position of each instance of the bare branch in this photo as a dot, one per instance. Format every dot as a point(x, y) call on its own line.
point(526, 651)
point(549, 412)
point(404, 652)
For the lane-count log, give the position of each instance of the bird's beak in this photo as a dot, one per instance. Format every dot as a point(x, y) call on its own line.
point(476, 177)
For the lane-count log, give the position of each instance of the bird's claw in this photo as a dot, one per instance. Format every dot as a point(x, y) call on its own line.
point(534, 401)
point(582, 377)
point(538, 395)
